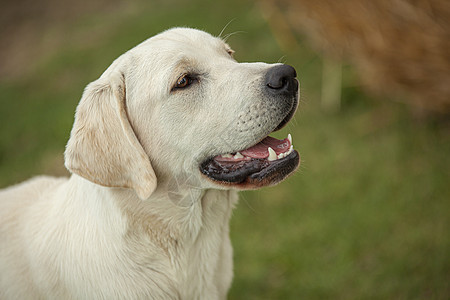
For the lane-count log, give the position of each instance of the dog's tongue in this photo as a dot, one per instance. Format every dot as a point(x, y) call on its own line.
point(260, 150)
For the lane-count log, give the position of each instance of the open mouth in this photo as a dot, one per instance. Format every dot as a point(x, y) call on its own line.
point(266, 163)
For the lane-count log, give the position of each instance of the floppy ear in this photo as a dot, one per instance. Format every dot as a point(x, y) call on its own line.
point(102, 146)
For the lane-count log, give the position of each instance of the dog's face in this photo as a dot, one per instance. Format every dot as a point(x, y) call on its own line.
point(190, 108)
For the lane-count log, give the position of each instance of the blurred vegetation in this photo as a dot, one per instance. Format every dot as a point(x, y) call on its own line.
point(365, 217)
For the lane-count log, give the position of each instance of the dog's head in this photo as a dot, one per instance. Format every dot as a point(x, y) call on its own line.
point(180, 104)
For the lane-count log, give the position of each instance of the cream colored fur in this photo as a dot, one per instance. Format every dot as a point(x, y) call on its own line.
point(137, 220)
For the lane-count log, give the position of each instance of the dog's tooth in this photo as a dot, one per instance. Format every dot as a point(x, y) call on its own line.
point(238, 155)
point(290, 138)
point(228, 155)
point(280, 155)
point(272, 154)
point(290, 150)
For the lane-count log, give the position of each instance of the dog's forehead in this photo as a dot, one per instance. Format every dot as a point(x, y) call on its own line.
point(176, 40)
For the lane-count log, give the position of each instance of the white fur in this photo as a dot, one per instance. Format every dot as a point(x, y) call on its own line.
point(137, 220)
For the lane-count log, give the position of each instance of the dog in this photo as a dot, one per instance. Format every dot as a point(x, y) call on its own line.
point(161, 144)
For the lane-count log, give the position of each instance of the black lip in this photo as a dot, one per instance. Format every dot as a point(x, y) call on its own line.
point(252, 173)
point(291, 112)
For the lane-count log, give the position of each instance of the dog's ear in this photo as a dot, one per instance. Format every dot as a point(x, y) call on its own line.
point(103, 147)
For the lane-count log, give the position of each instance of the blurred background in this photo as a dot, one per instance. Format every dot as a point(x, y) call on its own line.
point(367, 215)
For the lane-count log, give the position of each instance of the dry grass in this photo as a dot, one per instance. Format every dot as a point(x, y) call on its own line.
point(400, 47)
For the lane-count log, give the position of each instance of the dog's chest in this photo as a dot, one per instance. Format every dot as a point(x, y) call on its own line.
point(196, 262)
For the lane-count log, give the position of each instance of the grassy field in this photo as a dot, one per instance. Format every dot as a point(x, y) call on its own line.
point(365, 217)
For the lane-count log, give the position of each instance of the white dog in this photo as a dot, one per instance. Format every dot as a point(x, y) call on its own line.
point(159, 146)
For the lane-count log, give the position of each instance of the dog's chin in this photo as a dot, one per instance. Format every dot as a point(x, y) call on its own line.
point(263, 164)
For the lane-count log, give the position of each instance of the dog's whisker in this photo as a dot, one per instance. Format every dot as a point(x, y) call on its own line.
point(281, 59)
point(225, 38)
point(225, 27)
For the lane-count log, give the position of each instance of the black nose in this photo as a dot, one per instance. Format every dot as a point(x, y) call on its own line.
point(281, 80)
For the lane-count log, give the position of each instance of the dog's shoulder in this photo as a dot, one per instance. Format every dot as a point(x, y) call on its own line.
point(27, 192)
point(34, 186)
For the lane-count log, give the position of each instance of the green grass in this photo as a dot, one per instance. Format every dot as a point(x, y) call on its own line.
point(365, 217)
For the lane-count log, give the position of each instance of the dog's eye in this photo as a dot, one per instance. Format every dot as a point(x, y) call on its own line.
point(182, 82)
point(230, 52)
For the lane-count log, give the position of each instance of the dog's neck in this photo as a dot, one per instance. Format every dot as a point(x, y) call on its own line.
point(191, 230)
point(188, 211)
